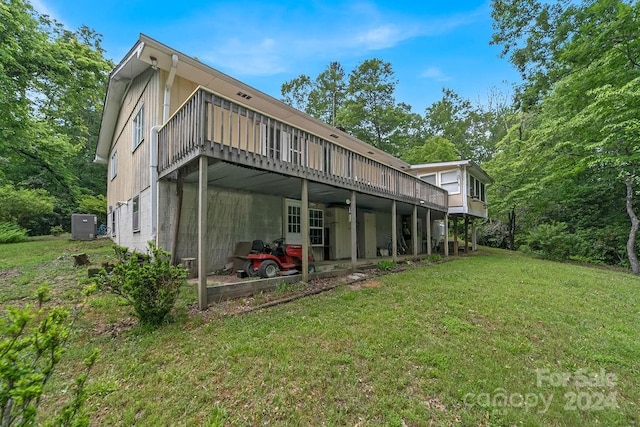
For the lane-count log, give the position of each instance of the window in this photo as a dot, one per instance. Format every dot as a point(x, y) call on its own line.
point(114, 164)
point(476, 188)
point(294, 224)
point(293, 219)
point(113, 223)
point(316, 227)
point(138, 128)
point(135, 219)
point(431, 178)
point(449, 181)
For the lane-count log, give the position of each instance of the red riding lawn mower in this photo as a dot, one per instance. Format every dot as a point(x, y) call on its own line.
point(266, 262)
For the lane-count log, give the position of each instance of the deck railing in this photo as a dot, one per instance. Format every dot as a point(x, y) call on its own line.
point(209, 121)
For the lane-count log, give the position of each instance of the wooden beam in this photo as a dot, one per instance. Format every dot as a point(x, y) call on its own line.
point(304, 226)
point(428, 231)
point(354, 231)
point(446, 235)
point(414, 231)
point(466, 234)
point(455, 236)
point(474, 236)
point(394, 232)
point(203, 302)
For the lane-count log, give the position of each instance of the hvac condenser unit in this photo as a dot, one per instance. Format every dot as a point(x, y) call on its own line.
point(83, 226)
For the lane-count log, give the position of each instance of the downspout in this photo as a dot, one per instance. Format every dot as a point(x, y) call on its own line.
point(153, 151)
point(167, 88)
point(153, 181)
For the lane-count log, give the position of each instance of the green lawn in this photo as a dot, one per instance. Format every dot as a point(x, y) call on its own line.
point(496, 338)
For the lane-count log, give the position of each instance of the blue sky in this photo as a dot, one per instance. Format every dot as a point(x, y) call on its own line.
point(430, 44)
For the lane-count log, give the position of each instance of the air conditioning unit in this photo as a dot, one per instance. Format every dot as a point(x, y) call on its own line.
point(83, 226)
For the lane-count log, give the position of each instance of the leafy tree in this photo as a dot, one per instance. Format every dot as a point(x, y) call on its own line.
point(435, 149)
point(51, 86)
point(321, 97)
point(21, 206)
point(362, 104)
point(581, 68)
point(474, 130)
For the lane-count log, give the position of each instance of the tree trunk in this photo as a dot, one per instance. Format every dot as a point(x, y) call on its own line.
point(635, 224)
point(512, 229)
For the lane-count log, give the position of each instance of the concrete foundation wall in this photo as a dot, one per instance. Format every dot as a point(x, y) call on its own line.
point(232, 217)
point(122, 233)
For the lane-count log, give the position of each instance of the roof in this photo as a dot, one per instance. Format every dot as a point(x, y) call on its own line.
point(138, 60)
point(473, 167)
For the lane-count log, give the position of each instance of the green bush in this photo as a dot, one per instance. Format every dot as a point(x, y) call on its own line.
point(12, 233)
point(386, 265)
point(149, 282)
point(434, 258)
point(32, 342)
point(553, 241)
point(56, 230)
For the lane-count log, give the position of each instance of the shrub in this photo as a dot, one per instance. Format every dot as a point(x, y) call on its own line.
point(386, 265)
point(32, 341)
point(553, 241)
point(149, 282)
point(56, 230)
point(12, 233)
point(434, 258)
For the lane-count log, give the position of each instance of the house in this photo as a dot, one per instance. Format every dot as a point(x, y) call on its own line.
point(202, 163)
point(466, 183)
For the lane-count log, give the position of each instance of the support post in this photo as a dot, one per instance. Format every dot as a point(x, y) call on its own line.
point(304, 226)
point(466, 234)
point(394, 232)
point(203, 303)
point(474, 236)
point(446, 235)
point(455, 236)
point(414, 231)
point(428, 231)
point(354, 231)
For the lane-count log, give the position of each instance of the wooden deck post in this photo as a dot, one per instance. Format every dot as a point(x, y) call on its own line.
point(455, 236)
point(203, 303)
point(428, 231)
point(466, 234)
point(394, 232)
point(446, 235)
point(354, 231)
point(414, 231)
point(304, 226)
point(474, 236)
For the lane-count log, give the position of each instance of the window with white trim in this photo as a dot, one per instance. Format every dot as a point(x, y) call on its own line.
point(316, 227)
point(449, 181)
point(114, 164)
point(135, 219)
point(138, 128)
point(293, 219)
point(430, 178)
point(293, 212)
point(476, 188)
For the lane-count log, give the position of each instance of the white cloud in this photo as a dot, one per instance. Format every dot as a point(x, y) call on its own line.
point(43, 9)
point(434, 73)
point(274, 41)
point(379, 37)
point(254, 58)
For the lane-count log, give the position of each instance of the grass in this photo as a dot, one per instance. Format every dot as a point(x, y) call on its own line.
point(442, 344)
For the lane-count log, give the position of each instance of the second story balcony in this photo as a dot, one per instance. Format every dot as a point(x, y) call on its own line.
point(211, 125)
